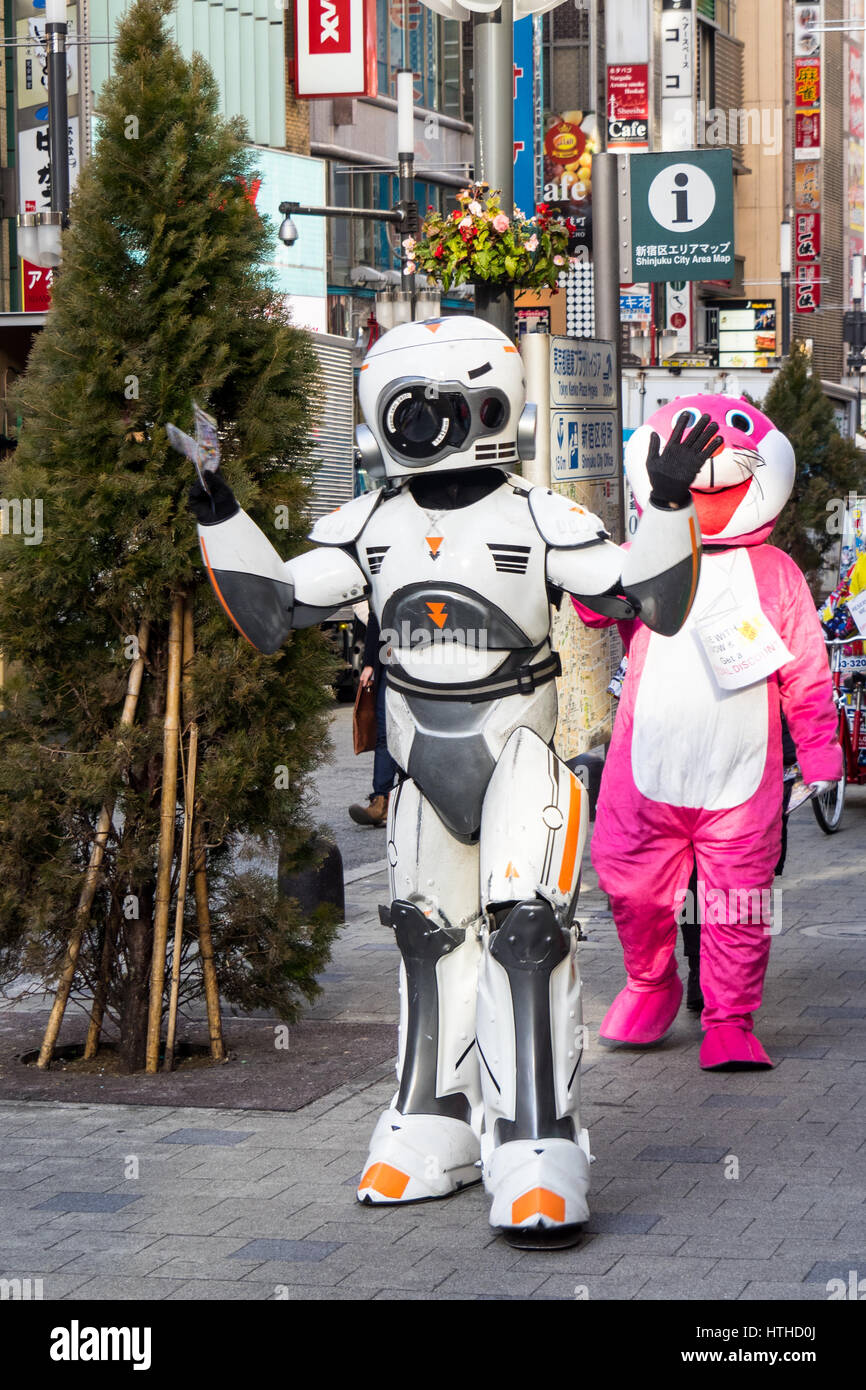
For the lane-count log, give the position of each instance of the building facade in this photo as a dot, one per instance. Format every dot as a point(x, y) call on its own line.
point(357, 139)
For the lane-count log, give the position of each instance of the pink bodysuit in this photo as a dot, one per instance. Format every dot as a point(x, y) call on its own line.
point(695, 770)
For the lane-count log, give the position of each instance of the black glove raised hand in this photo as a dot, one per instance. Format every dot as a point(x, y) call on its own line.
point(217, 505)
point(673, 471)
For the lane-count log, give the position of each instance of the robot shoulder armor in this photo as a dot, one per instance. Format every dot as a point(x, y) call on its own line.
point(563, 523)
point(345, 525)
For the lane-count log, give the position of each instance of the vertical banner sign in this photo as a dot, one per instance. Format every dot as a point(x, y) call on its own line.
point(524, 117)
point(31, 123)
point(854, 138)
point(335, 48)
point(568, 151)
point(678, 83)
point(538, 103)
point(808, 19)
point(628, 106)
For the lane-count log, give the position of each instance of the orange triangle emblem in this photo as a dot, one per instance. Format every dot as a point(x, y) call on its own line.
point(434, 327)
point(511, 872)
point(437, 613)
point(434, 543)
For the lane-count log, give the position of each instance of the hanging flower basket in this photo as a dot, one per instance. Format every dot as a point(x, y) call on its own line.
point(481, 244)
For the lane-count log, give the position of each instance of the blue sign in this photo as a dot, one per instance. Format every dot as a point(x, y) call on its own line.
point(583, 445)
point(524, 118)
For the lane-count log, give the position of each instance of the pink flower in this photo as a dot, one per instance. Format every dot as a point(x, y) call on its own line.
point(475, 209)
point(409, 244)
point(559, 260)
point(409, 267)
point(500, 222)
point(466, 221)
point(532, 244)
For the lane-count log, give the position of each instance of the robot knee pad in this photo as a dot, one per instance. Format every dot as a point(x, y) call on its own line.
point(528, 947)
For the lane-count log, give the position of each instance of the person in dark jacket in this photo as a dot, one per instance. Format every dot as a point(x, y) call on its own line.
point(384, 767)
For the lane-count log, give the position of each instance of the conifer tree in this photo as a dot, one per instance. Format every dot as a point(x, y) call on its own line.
point(161, 299)
point(829, 466)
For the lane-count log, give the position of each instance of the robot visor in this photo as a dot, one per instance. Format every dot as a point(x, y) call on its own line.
point(423, 421)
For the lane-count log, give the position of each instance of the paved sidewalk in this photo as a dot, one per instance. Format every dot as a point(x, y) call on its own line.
point(749, 1186)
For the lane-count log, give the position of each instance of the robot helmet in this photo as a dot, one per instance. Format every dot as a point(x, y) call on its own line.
point(741, 490)
point(441, 395)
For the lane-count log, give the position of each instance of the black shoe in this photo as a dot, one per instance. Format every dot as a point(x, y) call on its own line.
point(694, 997)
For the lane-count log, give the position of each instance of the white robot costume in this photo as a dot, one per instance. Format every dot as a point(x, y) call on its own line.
point(460, 560)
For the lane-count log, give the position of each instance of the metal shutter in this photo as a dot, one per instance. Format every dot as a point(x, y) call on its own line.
point(333, 431)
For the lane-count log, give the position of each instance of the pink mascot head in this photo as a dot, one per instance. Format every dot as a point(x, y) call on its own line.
point(740, 492)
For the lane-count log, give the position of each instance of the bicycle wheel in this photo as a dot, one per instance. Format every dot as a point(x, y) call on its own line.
point(828, 808)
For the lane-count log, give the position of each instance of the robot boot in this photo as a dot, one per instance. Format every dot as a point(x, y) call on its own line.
point(530, 1035)
point(424, 1145)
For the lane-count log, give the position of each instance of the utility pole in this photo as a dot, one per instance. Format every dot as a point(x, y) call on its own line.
point(605, 241)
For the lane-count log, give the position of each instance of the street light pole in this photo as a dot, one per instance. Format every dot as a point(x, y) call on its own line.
point(785, 265)
point(406, 159)
point(39, 232)
point(58, 116)
point(493, 70)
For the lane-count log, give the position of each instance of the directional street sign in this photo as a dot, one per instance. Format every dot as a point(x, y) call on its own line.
point(582, 372)
point(583, 420)
point(582, 445)
point(677, 216)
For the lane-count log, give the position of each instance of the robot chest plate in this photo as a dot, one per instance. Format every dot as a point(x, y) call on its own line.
point(462, 566)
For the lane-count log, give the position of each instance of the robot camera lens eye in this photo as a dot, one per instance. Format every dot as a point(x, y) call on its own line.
point(419, 425)
point(492, 413)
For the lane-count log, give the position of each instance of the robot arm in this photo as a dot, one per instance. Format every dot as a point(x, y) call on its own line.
point(658, 575)
point(266, 597)
point(655, 579)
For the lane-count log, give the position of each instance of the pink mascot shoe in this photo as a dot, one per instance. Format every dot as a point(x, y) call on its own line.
point(694, 771)
point(642, 1016)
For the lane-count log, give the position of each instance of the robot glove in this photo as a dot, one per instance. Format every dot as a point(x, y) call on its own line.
point(217, 505)
point(673, 471)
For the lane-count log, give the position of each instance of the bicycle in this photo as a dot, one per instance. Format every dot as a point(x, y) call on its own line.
point(852, 736)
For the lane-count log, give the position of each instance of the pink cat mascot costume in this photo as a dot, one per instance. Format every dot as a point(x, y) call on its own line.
point(695, 763)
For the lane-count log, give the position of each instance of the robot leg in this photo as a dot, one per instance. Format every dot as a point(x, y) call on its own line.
point(529, 1024)
point(424, 1144)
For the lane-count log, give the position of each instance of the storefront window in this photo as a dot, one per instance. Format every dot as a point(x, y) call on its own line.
point(356, 241)
point(411, 35)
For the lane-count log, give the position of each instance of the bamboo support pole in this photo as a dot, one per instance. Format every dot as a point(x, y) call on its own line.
point(165, 853)
point(189, 803)
point(199, 863)
point(205, 943)
point(100, 995)
point(91, 878)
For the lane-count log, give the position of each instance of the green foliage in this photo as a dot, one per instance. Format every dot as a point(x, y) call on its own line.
point(828, 465)
point(479, 242)
point(162, 298)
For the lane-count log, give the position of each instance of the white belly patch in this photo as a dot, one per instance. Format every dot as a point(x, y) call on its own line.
point(694, 744)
